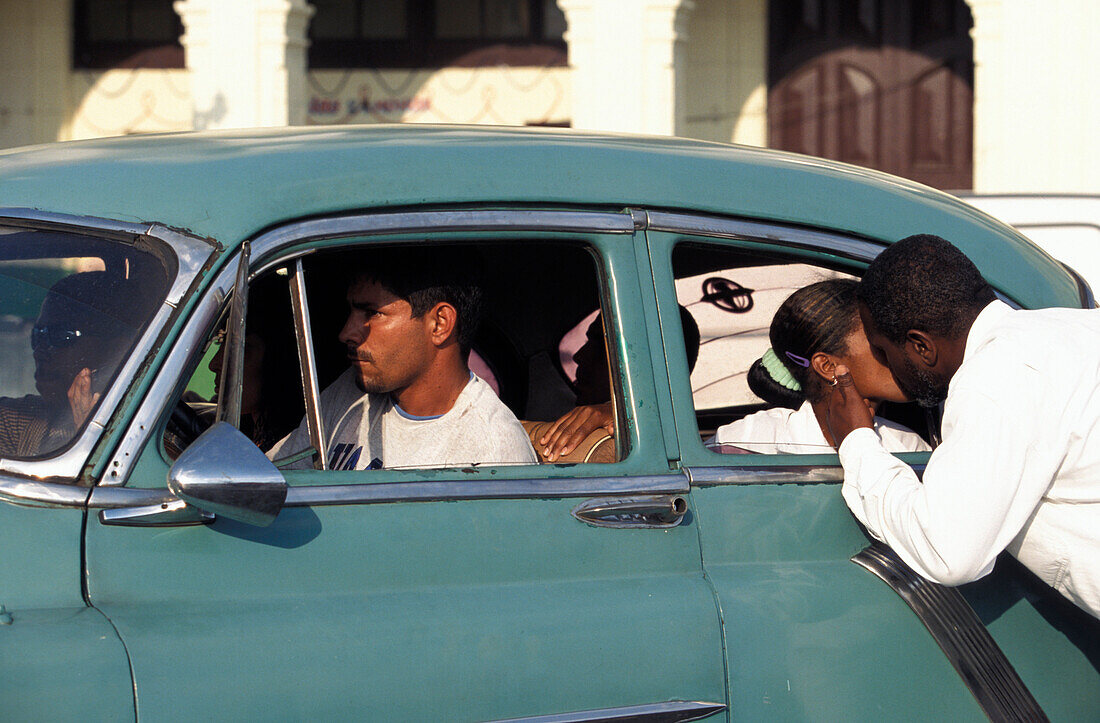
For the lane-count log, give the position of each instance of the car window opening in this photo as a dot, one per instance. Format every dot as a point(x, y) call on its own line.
point(733, 295)
point(540, 349)
point(72, 306)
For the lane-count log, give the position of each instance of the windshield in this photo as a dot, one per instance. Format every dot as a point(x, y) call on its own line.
point(71, 308)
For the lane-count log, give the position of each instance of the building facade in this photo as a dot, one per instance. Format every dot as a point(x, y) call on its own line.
point(992, 95)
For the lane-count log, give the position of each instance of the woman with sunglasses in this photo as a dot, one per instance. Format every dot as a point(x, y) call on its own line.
point(82, 330)
point(814, 330)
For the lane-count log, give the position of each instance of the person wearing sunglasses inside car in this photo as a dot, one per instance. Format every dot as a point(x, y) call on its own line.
point(82, 330)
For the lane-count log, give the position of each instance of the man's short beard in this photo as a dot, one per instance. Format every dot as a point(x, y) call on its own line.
point(923, 386)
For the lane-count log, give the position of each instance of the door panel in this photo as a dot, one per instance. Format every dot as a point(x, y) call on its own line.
point(777, 542)
point(419, 611)
point(59, 658)
point(812, 636)
point(455, 609)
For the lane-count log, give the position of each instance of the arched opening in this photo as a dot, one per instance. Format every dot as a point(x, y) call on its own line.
point(882, 84)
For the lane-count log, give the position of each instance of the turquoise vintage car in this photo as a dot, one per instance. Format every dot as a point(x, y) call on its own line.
point(155, 570)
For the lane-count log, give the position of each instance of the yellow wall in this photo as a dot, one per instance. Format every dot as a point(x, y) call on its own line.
point(726, 71)
point(34, 64)
point(497, 95)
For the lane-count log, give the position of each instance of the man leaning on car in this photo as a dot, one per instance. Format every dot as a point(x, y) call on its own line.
point(1019, 466)
point(408, 398)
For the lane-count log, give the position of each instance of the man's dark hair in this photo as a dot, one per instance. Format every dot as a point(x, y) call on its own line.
point(426, 276)
point(923, 282)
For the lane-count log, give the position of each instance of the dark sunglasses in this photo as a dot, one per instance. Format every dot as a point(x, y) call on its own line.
point(53, 337)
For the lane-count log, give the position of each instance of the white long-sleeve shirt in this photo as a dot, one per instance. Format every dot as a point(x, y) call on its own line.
point(1019, 466)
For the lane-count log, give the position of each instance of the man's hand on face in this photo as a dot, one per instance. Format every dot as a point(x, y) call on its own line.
point(81, 398)
point(847, 409)
point(569, 431)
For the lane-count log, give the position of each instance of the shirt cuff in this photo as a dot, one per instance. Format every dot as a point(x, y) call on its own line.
point(859, 442)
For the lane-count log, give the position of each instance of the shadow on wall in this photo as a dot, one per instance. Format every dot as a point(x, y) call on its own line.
point(211, 118)
point(123, 101)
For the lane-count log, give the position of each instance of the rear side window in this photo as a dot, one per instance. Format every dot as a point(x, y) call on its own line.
point(732, 296)
point(71, 309)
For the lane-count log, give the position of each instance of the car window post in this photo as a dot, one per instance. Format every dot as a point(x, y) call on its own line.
point(229, 396)
point(308, 363)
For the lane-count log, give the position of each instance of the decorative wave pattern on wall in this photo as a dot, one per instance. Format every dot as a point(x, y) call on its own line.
point(120, 102)
point(496, 95)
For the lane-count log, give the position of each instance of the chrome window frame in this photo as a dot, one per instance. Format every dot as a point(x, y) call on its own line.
point(779, 236)
point(266, 253)
point(282, 245)
point(192, 253)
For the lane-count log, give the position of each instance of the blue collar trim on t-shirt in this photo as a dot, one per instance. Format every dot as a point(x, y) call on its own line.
point(415, 418)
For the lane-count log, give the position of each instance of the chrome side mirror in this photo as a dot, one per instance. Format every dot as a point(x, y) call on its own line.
point(223, 472)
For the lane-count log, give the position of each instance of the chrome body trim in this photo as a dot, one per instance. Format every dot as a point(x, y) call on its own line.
point(307, 364)
point(265, 255)
point(671, 711)
point(1088, 300)
point(961, 635)
point(192, 253)
point(785, 474)
point(436, 222)
point(34, 493)
point(775, 474)
point(231, 391)
point(473, 489)
point(190, 341)
point(110, 498)
point(167, 514)
point(774, 234)
point(35, 218)
point(421, 491)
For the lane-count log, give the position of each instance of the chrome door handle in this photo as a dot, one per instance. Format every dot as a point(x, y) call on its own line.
point(647, 512)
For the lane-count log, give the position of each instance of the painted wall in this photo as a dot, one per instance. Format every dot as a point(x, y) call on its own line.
point(726, 72)
point(120, 102)
point(1036, 104)
point(498, 95)
point(1037, 66)
point(34, 68)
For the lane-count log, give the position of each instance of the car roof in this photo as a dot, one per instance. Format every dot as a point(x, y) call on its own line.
point(231, 185)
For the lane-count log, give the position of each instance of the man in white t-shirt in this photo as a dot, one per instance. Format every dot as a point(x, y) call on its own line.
point(1019, 466)
point(408, 398)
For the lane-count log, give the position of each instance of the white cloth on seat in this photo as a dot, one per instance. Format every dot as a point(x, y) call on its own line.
point(786, 431)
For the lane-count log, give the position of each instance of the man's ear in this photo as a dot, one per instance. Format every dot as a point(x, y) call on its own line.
point(442, 323)
point(823, 365)
point(924, 346)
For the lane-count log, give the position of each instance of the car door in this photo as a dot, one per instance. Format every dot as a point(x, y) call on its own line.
point(810, 635)
point(469, 593)
point(60, 657)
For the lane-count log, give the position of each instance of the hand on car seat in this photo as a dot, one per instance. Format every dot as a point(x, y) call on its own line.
point(569, 431)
